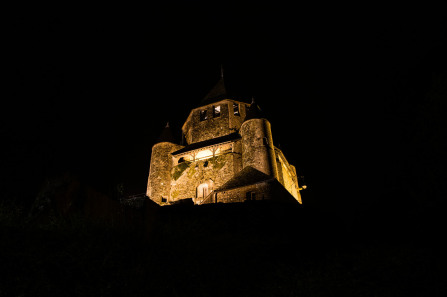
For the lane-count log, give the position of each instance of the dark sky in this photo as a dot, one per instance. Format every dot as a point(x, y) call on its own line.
point(89, 92)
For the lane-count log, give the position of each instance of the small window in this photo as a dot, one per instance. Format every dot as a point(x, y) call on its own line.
point(236, 109)
point(216, 111)
point(250, 196)
point(181, 160)
point(265, 141)
point(203, 115)
point(163, 199)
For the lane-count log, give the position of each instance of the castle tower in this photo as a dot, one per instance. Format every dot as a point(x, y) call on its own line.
point(228, 157)
point(159, 182)
point(257, 142)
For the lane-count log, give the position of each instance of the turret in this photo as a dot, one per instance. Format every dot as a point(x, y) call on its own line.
point(257, 142)
point(158, 186)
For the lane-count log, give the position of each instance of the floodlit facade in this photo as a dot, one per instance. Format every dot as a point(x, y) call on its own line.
point(229, 157)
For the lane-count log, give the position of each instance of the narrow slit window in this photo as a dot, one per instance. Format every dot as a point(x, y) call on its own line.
point(203, 115)
point(265, 141)
point(250, 196)
point(236, 109)
point(216, 111)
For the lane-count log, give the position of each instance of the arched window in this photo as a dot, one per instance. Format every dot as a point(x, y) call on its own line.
point(202, 191)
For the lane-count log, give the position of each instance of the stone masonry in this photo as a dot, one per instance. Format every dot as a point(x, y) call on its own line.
point(229, 157)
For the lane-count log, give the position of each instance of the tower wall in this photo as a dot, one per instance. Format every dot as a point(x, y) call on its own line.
point(159, 181)
point(257, 146)
point(197, 129)
point(287, 175)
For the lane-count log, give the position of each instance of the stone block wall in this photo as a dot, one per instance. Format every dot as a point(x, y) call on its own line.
point(215, 171)
point(158, 186)
point(259, 191)
point(257, 146)
point(196, 130)
point(287, 175)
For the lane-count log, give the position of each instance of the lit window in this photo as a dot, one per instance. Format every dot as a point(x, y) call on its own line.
point(236, 109)
point(216, 111)
point(204, 154)
point(203, 115)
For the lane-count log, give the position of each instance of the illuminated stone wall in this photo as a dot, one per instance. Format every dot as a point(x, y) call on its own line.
point(257, 146)
point(197, 172)
point(259, 191)
point(215, 171)
point(287, 175)
point(159, 181)
point(196, 129)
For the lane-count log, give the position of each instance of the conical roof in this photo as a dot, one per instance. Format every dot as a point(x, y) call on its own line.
point(217, 93)
point(254, 111)
point(166, 135)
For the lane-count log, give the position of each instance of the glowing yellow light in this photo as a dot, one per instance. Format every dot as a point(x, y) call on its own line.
point(205, 154)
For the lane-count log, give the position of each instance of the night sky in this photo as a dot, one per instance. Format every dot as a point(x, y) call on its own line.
point(89, 91)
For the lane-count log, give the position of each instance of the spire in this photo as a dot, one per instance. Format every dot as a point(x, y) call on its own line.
point(166, 135)
point(218, 92)
point(221, 71)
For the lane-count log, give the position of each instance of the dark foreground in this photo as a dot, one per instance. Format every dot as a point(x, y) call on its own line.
point(241, 250)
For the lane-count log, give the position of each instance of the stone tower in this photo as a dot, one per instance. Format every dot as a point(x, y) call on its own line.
point(158, 185)
point(229, 157)
point(257, 142)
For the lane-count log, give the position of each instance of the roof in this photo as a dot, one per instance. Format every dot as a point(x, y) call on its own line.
point(254, 111)
point(217, 93)
point(166, 135)
point(209, 142)
point(246, 176)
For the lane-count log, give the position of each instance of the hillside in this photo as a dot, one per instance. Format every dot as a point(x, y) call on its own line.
point(261, 249)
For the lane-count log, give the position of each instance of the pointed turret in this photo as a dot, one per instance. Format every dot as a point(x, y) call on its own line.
point(257, 142)
point(254, 111)
point(217, 93)
point(166, 135)
point(158, 184)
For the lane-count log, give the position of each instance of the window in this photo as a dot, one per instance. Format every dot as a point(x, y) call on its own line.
point(202, 191)
point(216, 111)
point(181, 160)
point(265, 141)
point(203, 115)
point(236, 109)
point(163, 199)
point(250, 196)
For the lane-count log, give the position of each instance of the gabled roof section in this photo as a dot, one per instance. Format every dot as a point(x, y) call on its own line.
point(245, 177)
point(209, 142)
point(217, 93)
